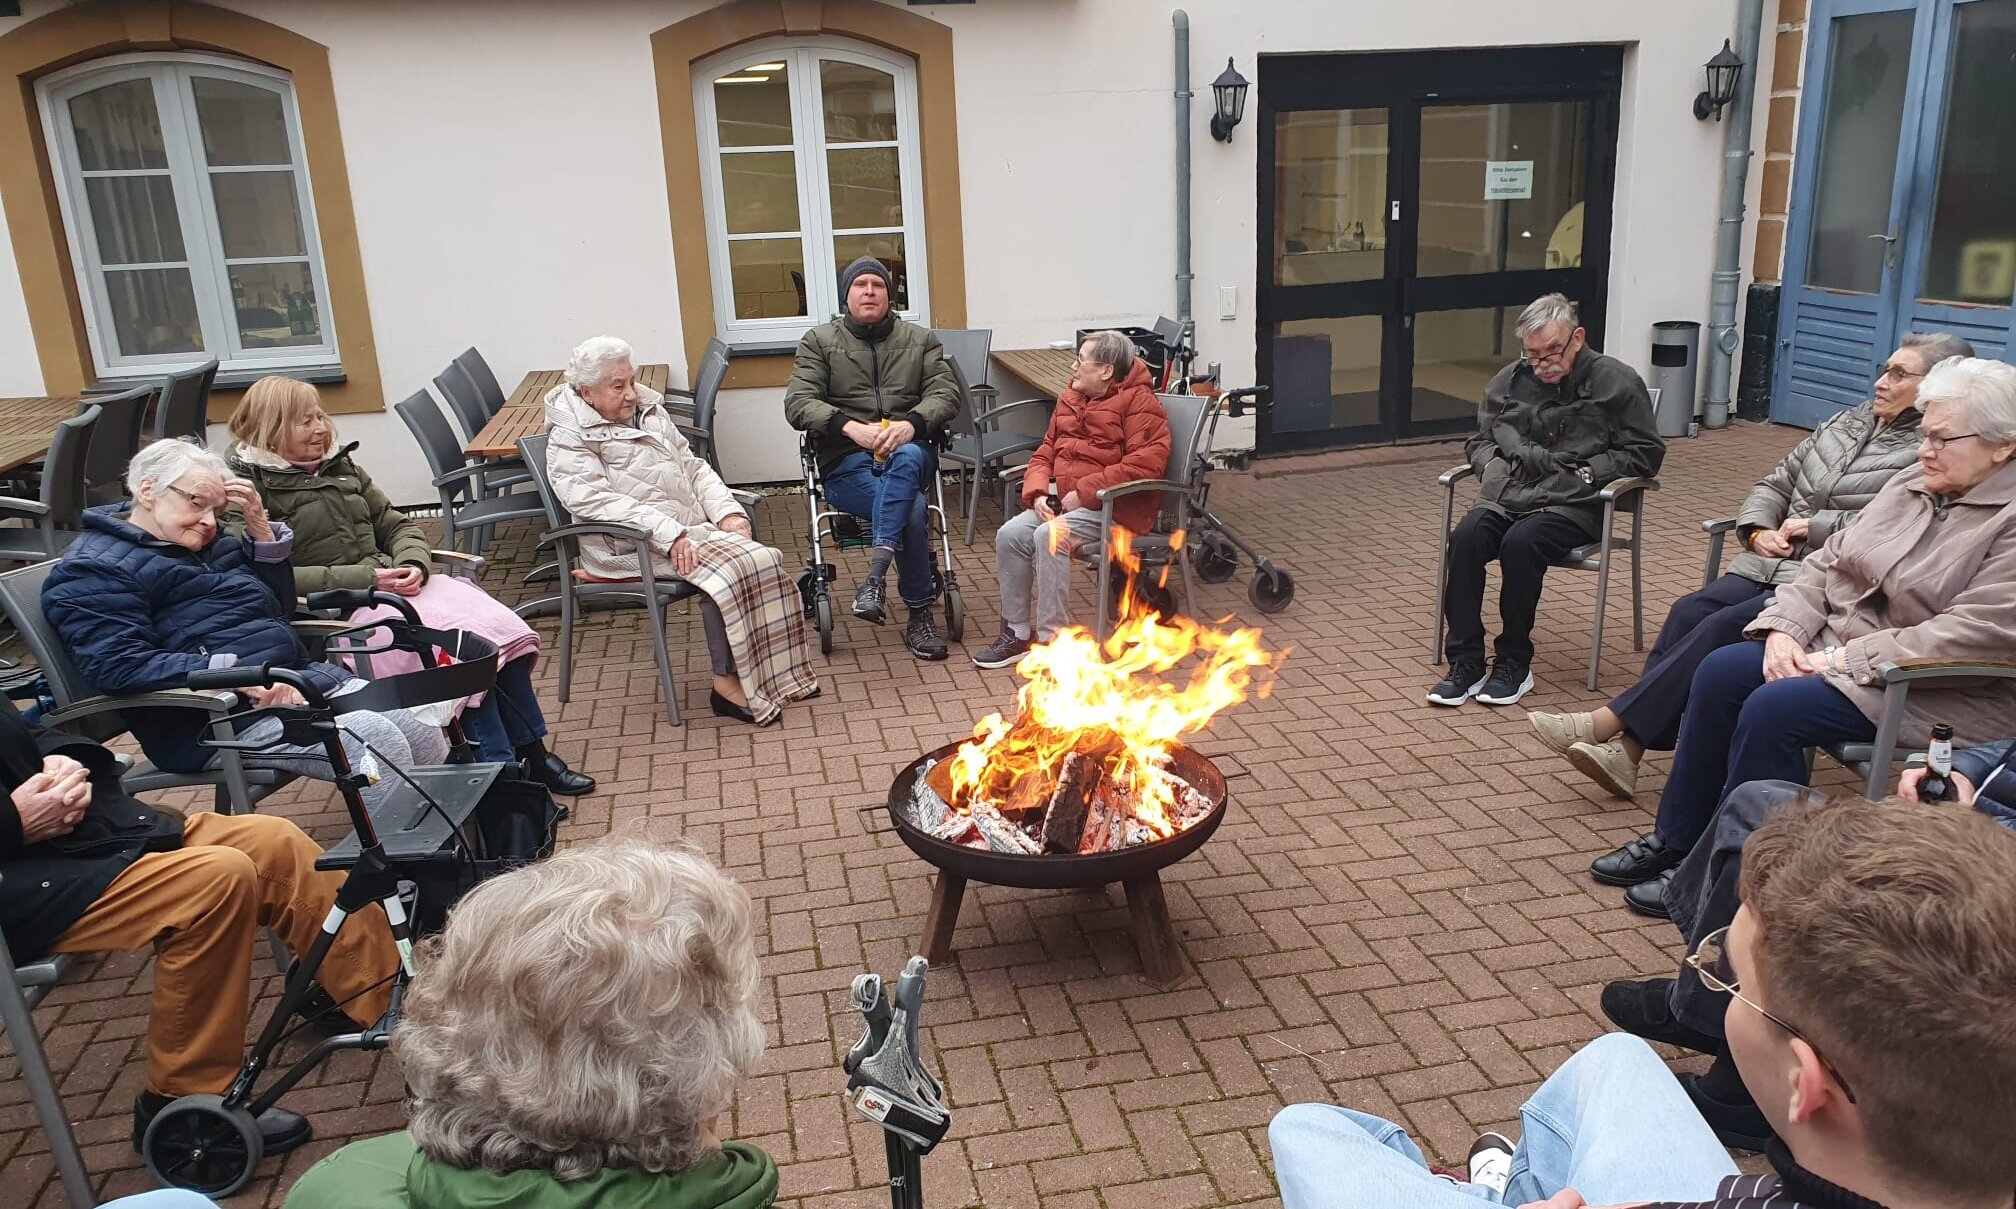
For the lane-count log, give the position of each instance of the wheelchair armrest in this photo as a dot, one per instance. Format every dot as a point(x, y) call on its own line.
point(1107, 495)
point(1455, 474)
point(324, 627)
point(1723, 524)
point(217, 703)
point(1617, 489)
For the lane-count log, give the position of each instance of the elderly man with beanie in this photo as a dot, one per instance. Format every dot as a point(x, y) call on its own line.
point(873, 388)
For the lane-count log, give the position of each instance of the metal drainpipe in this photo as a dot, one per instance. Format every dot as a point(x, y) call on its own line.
point(1181, 20)
point(1727, 282)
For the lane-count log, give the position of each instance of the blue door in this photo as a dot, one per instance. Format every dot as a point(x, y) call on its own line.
point(1904, 197)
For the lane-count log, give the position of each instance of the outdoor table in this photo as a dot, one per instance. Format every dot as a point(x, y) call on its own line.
point(1046, 369)
point(524, 410)
point(28, 424)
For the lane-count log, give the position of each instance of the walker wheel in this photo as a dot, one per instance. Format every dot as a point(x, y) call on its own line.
point(1272, 589)
point(955, 615)
point(199, 1144)
point(822, 616)
point(1214, 558)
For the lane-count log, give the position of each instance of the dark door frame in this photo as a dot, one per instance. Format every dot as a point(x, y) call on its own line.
point(1404, 83)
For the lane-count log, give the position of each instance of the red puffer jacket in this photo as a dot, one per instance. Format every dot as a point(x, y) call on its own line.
point(1097, 443)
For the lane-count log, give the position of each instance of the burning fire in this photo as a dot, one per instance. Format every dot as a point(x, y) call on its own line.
point(1119, 703)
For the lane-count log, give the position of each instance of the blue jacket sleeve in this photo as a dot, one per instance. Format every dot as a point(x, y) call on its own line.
point(106, 622)
point(1977, 764)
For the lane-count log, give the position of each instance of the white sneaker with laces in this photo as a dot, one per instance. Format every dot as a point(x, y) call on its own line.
point(1491, 1162)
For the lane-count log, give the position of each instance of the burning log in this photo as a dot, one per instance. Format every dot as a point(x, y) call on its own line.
point(1102, 820)
point(1070, 807)
point(1000, 834)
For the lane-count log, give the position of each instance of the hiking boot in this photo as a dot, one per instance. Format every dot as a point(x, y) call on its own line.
point(1562, 731)
point(921, 635)
point(1509, 681)
point(1607, 764)
point(1491, 1162)
point(1465, 677)
point(1006, 651)
point(870, 602)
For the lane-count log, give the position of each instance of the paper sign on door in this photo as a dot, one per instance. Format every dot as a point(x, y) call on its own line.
point(1508, 180)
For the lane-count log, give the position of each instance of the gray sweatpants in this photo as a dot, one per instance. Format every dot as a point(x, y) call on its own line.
point(1030, 553)
point(397, 736)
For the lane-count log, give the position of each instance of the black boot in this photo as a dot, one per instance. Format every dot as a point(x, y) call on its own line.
point(279, 1130)
point(1726, 1105)
point(552, 772)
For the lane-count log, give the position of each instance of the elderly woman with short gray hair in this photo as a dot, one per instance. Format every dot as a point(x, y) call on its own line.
point(574, 1036)
point(1928, 571)
point(615, 455)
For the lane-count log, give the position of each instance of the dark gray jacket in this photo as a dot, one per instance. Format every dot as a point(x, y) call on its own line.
point(1827, 478)
point(1532, 438)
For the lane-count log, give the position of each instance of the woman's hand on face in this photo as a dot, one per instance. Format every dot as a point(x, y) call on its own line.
point(405, 580)
point(738, 525)
point(244, 496)
point(685, 556)
point(1784, 658)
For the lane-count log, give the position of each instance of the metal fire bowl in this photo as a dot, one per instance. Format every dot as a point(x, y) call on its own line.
point(1046, 872)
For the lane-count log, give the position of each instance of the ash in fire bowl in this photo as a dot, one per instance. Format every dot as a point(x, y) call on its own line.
point(1095, 799)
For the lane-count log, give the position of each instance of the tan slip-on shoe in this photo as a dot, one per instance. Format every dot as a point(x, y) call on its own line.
point(1562, 731)
point(1608, 766)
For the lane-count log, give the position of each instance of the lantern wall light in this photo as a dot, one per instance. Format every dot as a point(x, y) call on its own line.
point(1228, 93)
point(1723, 71)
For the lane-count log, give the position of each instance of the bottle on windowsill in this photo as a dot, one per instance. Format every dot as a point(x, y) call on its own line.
point(1938, 783)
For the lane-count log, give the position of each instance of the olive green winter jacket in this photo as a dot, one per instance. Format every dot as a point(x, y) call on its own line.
point(344, 527)
point(843, 374)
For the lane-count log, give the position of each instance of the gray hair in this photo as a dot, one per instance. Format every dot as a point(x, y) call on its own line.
point(1546, 311)
point(1984, 389)
point(592, 1010)
point(592, 358)
point(164, 463)
point(1112, 349)
point(1935, 346)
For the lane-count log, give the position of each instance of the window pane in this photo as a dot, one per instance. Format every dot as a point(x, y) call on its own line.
point(886, 248)
point(752, 107)
point(1456, 353)
point(242, 123)
point(153, 311)
point(860, 102)
point(117, 126)
point(276, 305)
point(769, 279)
point(865, 189)
point(759, 191)
point(258, 214)
point(1858, 150)
point(1326, 373)
point(1502, 186)
point(1329, 196)
point(135, 219)
point(1973, 254)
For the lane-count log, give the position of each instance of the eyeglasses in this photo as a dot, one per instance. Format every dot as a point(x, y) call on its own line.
point(1896, 372)
point(195, 501)
point(1710, 959)
point(1547, 356)
point(1937, 444)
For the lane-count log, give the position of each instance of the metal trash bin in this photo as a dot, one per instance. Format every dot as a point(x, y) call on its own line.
point(1676, 358)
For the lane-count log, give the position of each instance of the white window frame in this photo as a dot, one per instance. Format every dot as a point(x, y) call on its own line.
point(809, 147)
point(195, 206)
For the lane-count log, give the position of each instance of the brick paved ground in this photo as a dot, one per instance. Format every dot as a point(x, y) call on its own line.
point(1395, 914)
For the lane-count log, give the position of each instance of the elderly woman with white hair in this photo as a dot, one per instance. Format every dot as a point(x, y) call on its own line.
point(1928, 571)
point(153, 590)
point(615, 455)
point(573, 1038)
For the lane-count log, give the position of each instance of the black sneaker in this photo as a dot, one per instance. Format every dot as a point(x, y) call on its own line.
point(1645, 1009)
point(1509, 681)
point(1006, 651)
point(922, 636)
point(1465, 677)
point(1737, 1126)
point(869, 602)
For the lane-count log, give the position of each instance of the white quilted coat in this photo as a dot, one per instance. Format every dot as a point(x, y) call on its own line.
point(640, 474)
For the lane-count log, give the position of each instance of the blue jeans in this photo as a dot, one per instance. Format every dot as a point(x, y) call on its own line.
point(1738, 728)
point(1611, 1123)
point(891, 496)
point(509, 717)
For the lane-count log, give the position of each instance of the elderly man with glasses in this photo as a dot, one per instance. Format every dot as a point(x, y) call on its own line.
point(1554, 429)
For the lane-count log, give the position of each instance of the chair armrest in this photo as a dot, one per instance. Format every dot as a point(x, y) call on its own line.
point(988, 415)
point(325, 627)
point(595, 529)
point(1904, 671)
point(1137, 486)
point(693, 434)
point(749, 500)
point(1724, 524)
point(1455, 474)
point(676, 392)
point(463, 476)
point(15, 505)
point(458, 563)
point(1617, 489)
point(216, 703)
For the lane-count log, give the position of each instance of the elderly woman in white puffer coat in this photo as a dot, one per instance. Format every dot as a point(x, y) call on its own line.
point(615, 456)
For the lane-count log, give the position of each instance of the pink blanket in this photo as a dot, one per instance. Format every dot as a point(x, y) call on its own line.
point(449, 603)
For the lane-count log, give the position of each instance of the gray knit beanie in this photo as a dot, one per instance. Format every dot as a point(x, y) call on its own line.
point(867, 264)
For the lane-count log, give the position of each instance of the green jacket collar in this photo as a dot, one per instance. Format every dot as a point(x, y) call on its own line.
point(739, 1177)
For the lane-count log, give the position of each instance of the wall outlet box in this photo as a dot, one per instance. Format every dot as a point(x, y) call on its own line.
point(1228, 302)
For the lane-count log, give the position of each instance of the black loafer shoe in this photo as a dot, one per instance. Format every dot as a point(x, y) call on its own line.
point(725, 708)
point(553, 773)
point(1649, 898)
point(279, 1130)
point(1645, 1009)
point(1641, 860)
point(1737, 1126)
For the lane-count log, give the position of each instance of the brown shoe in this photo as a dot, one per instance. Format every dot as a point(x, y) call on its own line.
point(1608, 766)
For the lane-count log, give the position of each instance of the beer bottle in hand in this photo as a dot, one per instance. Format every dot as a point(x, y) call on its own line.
point(1938, 783)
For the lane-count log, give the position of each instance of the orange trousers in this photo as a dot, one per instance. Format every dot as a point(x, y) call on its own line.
point(201, 907)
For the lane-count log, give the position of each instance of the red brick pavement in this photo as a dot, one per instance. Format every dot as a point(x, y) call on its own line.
point(1395, 914)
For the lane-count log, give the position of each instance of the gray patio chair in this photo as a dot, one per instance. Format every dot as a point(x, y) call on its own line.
point(115, 437)
point(1718, 531)
point(1187, 415)
point(693, 410)
point(185, 403)
point(55, 518)
point(460, 481)
point(1872, 761)
point(478, 371)
point(464, 398)
point(20, 991)
point(1622, 495)
point(978, 447)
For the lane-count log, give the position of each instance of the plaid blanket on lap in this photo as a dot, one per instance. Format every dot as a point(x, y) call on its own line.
point(764, 616)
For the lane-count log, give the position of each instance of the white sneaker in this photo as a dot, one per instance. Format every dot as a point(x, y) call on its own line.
point(1608, 765)
point(1491, 1162)
point(1562, 731)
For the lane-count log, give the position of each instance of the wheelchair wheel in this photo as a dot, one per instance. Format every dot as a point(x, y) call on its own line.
point(1214, 558)
point(955, 615)
point(822, 616)
point(199, 1144)
point(1272, 589)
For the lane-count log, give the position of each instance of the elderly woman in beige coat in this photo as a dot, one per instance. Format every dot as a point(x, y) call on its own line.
point(615, 456)
point(1928, 571)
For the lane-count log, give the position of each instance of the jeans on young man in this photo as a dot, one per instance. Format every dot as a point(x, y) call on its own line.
point(1035, 567)
point(509, 717)
point(1611, 1123)
point(1524, 548)
point(891, 495)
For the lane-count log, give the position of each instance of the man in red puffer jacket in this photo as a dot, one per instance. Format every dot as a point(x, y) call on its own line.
point(1108, 429)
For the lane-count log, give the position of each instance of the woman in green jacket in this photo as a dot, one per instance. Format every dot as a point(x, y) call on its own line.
point(348, 535)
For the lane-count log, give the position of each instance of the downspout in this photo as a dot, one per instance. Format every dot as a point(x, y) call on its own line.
point(1727, 282)
point(1181, 20)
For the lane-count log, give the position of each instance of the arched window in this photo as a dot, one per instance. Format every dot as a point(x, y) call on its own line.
point(811, 154)
point(184, 190)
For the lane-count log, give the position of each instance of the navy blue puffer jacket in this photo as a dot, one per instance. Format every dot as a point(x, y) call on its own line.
point(138, 614)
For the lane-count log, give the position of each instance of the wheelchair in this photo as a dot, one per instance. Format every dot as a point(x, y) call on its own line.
point(844, 530)
point(423, 834)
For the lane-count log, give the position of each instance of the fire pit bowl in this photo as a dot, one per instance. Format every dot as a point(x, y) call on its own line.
point(1137, 868)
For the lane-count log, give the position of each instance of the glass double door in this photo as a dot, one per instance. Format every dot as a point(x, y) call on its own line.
point(1904, 198)
point(1411, 205)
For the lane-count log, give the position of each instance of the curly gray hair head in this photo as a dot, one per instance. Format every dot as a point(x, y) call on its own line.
point(164, 463)
point(1547, 311)
point(593, 1010)
point(592, 358)
point(1985, 390)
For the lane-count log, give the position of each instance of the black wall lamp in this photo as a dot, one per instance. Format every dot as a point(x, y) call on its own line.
point(1723, 71)
point(1228, 92)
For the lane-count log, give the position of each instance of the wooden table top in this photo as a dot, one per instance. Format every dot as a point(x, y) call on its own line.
point(1046, 369)
point(524, 410)
point(27, 424)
